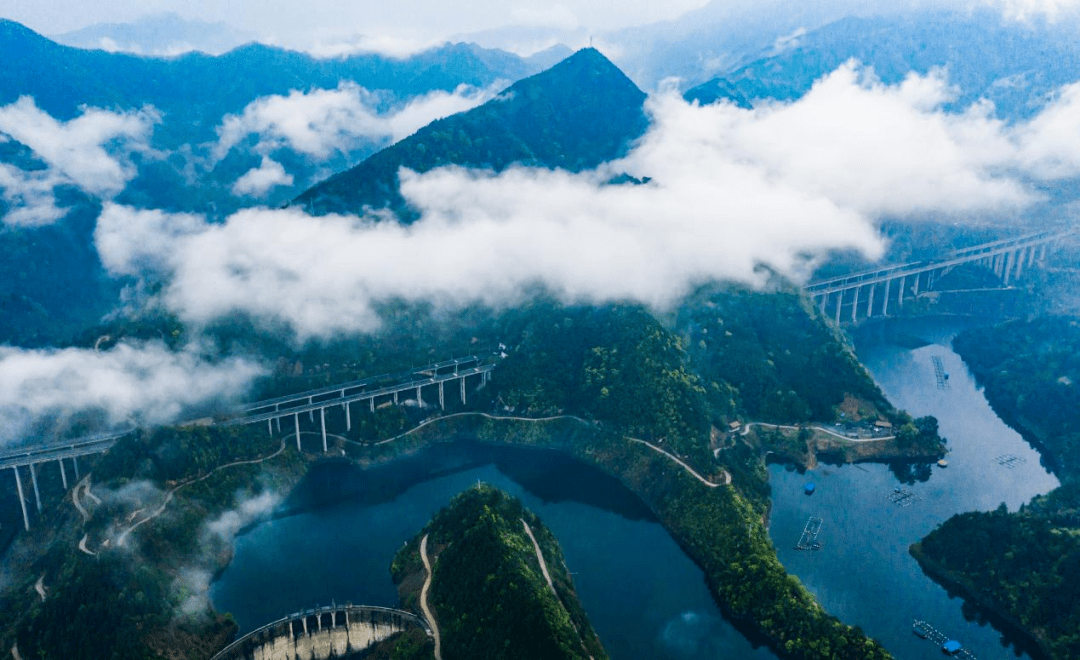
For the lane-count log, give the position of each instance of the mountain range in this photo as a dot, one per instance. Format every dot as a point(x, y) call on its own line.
point(158, 35)
point(199, 88)
point(1016, 65)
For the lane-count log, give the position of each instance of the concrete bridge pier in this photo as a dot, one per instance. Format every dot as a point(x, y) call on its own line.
point(442, 397)
point(462, 390)
point(885, 298)
point(322, 424)
point(419, 398)
point(1010, 262)
point(839, 304)
point(870, 301)
point(372, 400)
point(75, 464)
point(296, 420)
point(1018, 265)
point(348, 416)
point(22, 498)
point(63, 474)
point(855, 305)
point(37, 493)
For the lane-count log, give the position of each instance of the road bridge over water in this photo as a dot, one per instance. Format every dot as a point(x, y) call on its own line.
point(1008, 259)
point(377, 391)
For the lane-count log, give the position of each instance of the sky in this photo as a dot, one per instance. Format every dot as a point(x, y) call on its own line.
point(411, 24)
point(406, 19)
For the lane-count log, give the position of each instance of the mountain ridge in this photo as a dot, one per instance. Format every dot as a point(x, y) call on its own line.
point(1015, 65)
point(579, 113)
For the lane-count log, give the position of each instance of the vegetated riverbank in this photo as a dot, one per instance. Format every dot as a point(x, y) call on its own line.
point(1024, 565)
point(1002, 619)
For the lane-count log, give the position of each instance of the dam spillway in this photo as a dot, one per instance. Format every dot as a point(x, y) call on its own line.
point(322, 634)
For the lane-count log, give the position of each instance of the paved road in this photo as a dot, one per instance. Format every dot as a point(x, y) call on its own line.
point(727, 475)
point(540, 557)
point(424, 602)
point(746, 429)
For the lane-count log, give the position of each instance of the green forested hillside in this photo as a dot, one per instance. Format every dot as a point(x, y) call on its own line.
point(728, 354)
point(617, 365)
point(767, 357)
point(122, 603)
point(574, 116)
point(1031, 372)
point(488, 591)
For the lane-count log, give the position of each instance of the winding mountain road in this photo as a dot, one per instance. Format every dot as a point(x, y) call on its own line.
point(424, 599)
point(169, 496)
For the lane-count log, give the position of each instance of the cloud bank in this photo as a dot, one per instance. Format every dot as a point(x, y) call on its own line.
point(323, 121)
point(728, 191)
point(91, 152)
point(145, 384)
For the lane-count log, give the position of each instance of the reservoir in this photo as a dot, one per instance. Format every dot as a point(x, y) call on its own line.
point(644, 597)
point(863, 572)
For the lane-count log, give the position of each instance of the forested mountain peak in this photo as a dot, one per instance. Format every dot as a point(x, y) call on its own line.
point(581, 112)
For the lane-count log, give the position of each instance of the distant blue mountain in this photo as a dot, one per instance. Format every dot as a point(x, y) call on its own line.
point(160, 34)
point(1015, 65)
point(198, 89)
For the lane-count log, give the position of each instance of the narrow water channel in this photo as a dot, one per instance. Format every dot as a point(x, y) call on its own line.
point(644, 597)
point(863, 572)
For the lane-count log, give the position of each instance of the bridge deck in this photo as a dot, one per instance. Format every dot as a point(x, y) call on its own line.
point(966, 255)
point(299, 403)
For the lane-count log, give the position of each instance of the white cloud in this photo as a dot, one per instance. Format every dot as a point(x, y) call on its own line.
point(80, 148)
point(29, 196)
point(324, 121)
point(259, 180)
point(1025, 9)
point(877, 149)
point(137, 242)
point(333, 47)
point(226, 526)
point(91, 151)
point(729, 190)
point(142, 383)
point(1049, 144)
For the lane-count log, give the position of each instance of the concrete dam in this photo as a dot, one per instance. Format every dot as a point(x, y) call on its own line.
point(321, 634)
